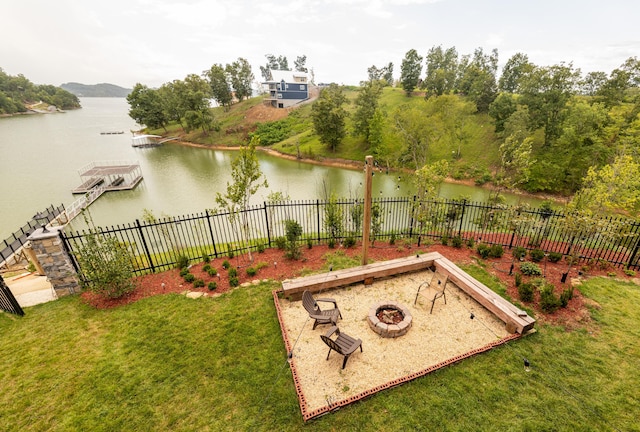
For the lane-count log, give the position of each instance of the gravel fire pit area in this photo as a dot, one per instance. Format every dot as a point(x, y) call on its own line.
point(423, 343)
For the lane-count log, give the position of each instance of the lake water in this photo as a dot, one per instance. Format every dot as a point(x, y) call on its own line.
point(41, 156)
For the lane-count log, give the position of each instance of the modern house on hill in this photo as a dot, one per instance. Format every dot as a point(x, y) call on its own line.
point(287, 88)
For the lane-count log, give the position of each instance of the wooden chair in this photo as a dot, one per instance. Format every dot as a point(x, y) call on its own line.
point(326, 316)
point(433, 291)
point(342, 344)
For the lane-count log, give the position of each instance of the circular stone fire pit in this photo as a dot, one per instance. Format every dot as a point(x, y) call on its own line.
point(390, 319)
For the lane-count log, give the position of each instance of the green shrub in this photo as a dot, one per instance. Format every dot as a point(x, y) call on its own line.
point(496, 251)
point(309, 243)
point(444, 240)
point(530, 269)
point(233, 282)
point(260, 265)
point(212, 286)
point(260, 248)
point(470, 243)
point(611, 274)
point(629, 272)
point(349, 242)
point(184, 271)
point(518, 279)
point(281, 243)
point(212, 271)
point(483, 250)
point(107, 265)
point(565, 296)
point(525, 292)
point(603, 264)
point(331, 244)
point(549, 302)
point(205, 257)
point(519, 252)
point(189, 277)
point(233, 272)
point(392, 239)
point(226, 264)
point(198, 283)
point(230, 252)
point(554, 257)
point(206, 267)
point(251, 271)
point(536, 255)
point(182, 261)
point(457, 242)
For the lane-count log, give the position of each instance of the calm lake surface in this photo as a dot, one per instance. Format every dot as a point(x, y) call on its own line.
point(41, 156)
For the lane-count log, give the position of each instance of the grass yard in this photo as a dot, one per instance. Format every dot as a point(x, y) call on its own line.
point(173, 363)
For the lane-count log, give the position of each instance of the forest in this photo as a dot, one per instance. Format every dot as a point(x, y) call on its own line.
point(531, 127)
point(16, 92)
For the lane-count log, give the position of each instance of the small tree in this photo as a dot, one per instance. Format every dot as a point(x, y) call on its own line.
point(247, 179)
point(294, 231)
point(333, 219)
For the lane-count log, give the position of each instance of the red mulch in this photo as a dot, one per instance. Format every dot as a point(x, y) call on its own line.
point(276, 267)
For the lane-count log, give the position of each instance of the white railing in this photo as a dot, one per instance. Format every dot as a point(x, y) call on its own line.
point(81, 203)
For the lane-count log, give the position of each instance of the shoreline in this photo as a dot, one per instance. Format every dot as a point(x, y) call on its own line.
point(356, 166)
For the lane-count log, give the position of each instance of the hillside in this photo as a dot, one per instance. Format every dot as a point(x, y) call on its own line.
point(18, 95)
point(96, 90)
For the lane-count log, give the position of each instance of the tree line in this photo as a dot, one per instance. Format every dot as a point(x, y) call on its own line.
point(551, 123)
point(16, 92)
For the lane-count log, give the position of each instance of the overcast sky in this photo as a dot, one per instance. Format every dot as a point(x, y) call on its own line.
point(155, 41)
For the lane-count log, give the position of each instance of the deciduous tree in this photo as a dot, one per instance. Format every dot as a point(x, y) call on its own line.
point(241, 77)
point(247, 179)
point(366, 105)
point(328, 115)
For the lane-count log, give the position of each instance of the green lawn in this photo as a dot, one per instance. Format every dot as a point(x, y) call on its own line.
point(172, 363)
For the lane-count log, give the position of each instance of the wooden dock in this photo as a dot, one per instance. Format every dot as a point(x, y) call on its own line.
point(109, 176)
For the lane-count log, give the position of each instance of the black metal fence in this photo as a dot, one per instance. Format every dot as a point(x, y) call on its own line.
point(8, 302)
point(156, 245)
point(15, 241)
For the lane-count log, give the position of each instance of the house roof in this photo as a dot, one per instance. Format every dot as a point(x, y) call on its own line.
point(286, 75)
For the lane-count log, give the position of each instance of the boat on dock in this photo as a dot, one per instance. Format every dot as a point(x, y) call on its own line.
point(109, 176)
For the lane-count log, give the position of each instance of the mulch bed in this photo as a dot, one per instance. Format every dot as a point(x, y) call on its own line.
point(274, 266)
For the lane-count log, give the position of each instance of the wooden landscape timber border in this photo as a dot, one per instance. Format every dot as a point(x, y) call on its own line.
point(515, 319)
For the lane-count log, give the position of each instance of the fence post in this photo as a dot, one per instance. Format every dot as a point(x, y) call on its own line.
point(213, 241)
point(411, 220)
point(318, 216)
point(266, 218)
point(464, 206)
point(144, 243)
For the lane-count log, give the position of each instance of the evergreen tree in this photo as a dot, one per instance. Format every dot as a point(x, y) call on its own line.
point(410, 71)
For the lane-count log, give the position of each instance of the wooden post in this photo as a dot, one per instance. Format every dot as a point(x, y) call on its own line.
point(366, 225)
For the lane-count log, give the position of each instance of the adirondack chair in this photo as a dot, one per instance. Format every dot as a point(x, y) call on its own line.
point(342, 344)
point(432, 290)
point(320, 316)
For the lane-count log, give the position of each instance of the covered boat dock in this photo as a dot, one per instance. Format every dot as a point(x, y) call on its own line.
point(109, 175)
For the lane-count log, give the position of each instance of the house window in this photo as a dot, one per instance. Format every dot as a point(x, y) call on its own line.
point(301, 86)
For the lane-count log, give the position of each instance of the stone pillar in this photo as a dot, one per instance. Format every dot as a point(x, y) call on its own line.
point(55, 261)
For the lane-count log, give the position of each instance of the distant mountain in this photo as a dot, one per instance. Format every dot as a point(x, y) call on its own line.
point(96, 90)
